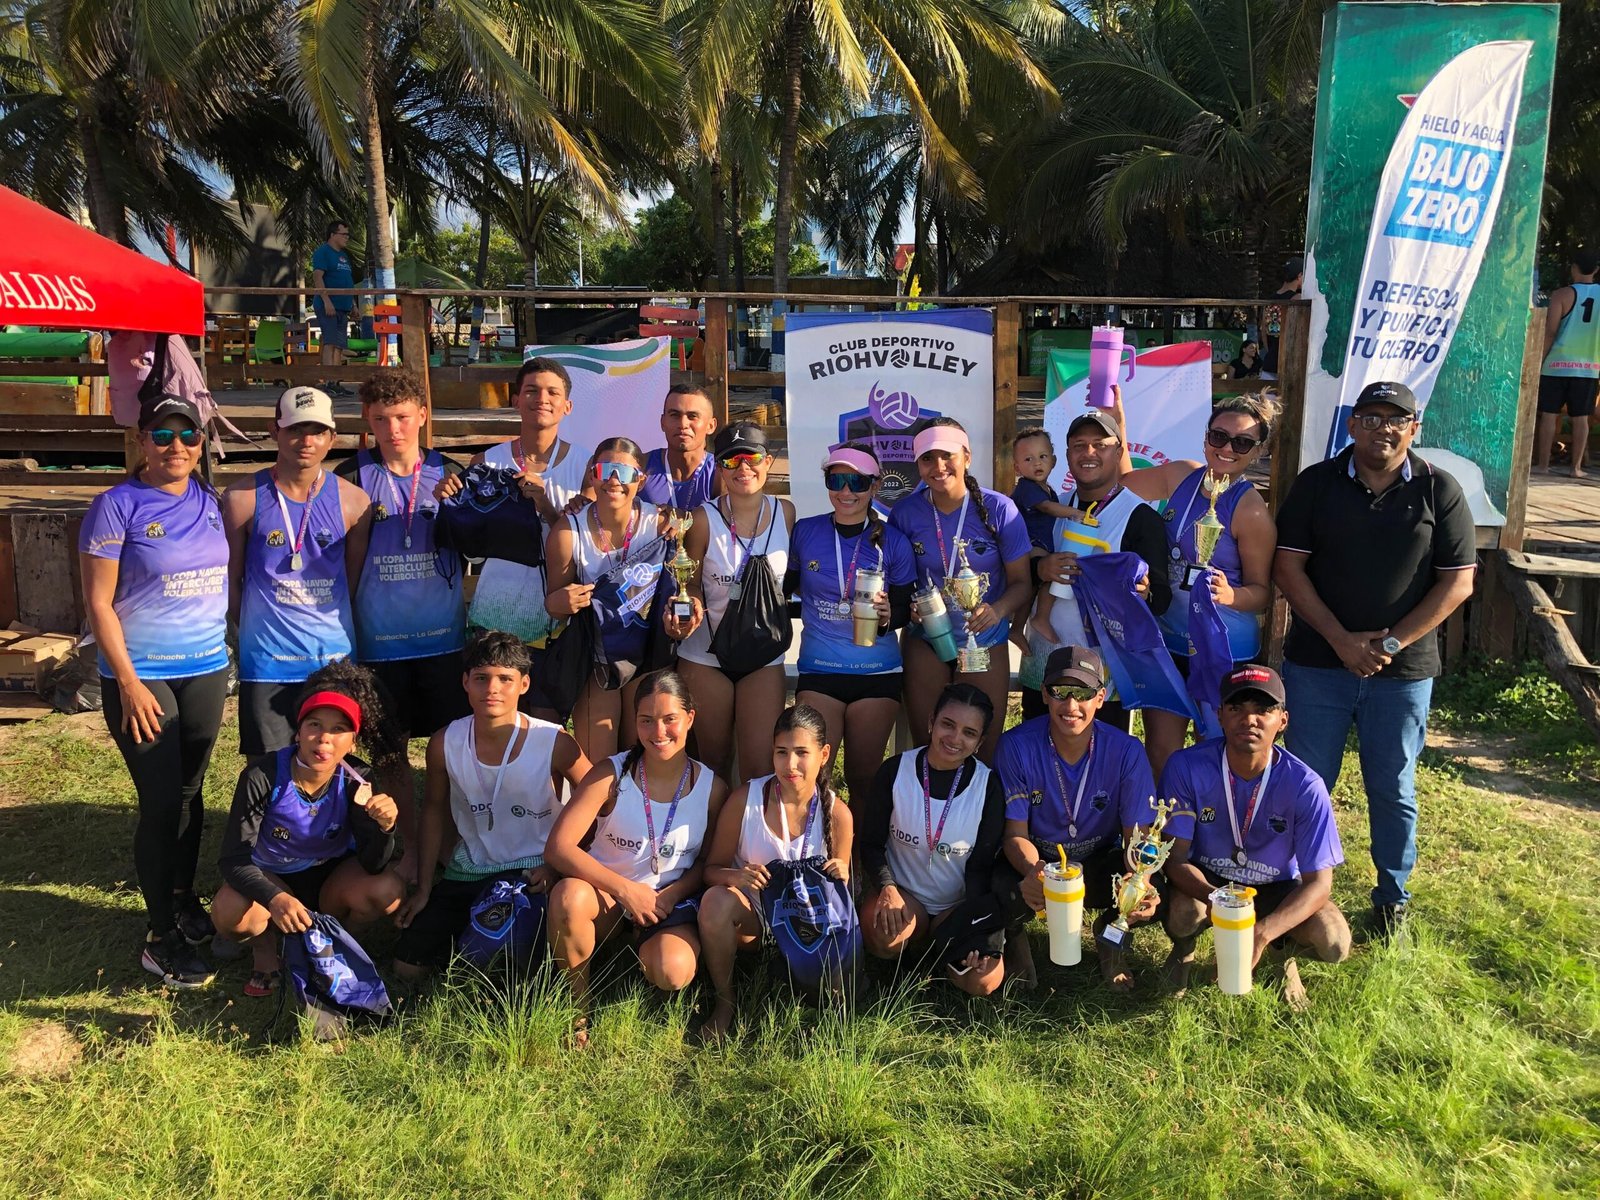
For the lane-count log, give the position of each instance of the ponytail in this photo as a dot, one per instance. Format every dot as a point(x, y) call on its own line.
point(976, 493)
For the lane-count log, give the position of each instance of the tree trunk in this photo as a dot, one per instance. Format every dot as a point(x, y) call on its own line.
point(481, 276)
point(527, 320)
point(380, 253)
point(737, 221)
point(788, 146)
point(719, 227)
point(108, 215)
point(941, 247)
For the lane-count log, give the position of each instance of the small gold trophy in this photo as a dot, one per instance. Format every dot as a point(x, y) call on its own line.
point(682, 568)
point(1208, 530)
point(965, 589)
point(1144, 857)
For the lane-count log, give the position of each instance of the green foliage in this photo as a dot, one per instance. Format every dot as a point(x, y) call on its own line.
point(1551, 743)
point(670, 247)
point(456, 250)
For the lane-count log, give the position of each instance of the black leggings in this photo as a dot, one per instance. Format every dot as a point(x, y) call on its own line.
point(167, 775)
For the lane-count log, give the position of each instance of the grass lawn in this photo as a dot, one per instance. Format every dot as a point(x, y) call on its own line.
point(1464, 1061)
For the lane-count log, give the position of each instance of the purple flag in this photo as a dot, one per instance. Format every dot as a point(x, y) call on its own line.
point(1129, 639)
point(1210, 659)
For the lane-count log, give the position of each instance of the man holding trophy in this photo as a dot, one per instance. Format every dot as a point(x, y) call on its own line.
point(1250, 814)
point(1078, 787)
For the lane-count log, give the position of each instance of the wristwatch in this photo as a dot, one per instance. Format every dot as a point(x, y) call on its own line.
point(1391, 645)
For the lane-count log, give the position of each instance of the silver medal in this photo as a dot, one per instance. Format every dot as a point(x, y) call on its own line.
point(408, 541)
point(1240, 857)
point(1072, 831)
point(655, 864)
point(735, 590)
point(296, 563)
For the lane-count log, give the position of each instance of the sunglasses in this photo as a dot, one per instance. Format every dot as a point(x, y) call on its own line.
point(1071, 691)
point(732, 462)
point(1216, 439)
point(849, 482)
point(1372, 422)
point(163, 437)
point(623, 473)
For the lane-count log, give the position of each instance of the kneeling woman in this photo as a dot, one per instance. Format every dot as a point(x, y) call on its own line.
point(930, 840)
point(754, 832)
point(651, 811)
point(306, 833)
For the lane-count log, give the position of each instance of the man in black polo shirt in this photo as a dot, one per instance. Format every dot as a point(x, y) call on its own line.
point(1375, 549)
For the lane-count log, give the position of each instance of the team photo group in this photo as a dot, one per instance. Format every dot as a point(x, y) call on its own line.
point(634, 748)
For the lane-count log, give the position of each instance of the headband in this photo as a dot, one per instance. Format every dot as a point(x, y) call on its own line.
point(334, 700)
point(940, 437)
point(856, 460)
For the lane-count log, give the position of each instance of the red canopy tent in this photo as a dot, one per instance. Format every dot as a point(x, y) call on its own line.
point(56, 273)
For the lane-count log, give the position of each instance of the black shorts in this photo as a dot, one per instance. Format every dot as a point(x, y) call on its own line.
point(847, 688)
point(431, 936)
point(1571, 392)
point(1269, 896)
point(425, 694)
point(306, 886)
point(266, 716)
point(1111, 712)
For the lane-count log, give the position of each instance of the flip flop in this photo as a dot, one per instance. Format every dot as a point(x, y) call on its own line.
point(262, 983)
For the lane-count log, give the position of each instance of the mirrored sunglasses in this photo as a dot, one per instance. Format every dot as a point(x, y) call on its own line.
point(623, 473)
point(732, 462)
point(1071, 691)
point(163, 437)
point(842, 481)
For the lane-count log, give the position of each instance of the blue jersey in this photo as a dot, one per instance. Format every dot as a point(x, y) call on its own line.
point(406, 607)
point(685, 495)
point(932, 535)
point(296, 834)
point(1083, 806)
point(292, 621)
point(171, 597)
point(826, 563)
point(1186, 508)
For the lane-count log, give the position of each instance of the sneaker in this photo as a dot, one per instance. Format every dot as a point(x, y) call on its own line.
point(339, 389)
point(1389, 919)
point(193, 920)
point(226, 949)
point(172, 958)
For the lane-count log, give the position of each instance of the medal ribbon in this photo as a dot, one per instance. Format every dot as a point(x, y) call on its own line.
point(783, 820)
point(500, 771)
point(1083, 782)
point(394, 491)
point(927, 805)
point(938, 531)
point(846, 580)
point(1260, 790)
point(649, 818)
point(305, 514)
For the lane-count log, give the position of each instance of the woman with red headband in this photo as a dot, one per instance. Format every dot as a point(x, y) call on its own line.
point(306, 833)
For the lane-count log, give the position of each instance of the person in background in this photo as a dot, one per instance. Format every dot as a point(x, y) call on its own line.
point(1293, 278)
point(1248, 364)
point(330, 268)
point(1570, 375)
point(154, 562)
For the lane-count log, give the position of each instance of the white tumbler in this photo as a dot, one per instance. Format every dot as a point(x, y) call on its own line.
point(1233, 918)
point(1063, 913)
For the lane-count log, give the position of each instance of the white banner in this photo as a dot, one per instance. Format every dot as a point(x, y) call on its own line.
point(879, 378)
point(1167, 403)
point(617, 389)
point(1435, 209)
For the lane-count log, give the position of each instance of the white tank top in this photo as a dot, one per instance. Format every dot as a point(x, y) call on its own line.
point(509, 595)
point(725, 556)
point(591, 563)
point(757, 842)
point(622, 836)
point(520, 795)
point(1066, 619)
point(937, 880)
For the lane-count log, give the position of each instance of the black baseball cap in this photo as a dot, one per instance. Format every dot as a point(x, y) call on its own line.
point(162, 407)
point(1074, 664)
point(1253, 677)
point(1096, 416)
point(742, 437)
point(1396, 394)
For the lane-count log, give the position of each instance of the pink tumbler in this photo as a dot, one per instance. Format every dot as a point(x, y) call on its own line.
point(1105, 363)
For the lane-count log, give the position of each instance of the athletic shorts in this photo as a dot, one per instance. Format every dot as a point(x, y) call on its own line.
point(335, 330)
point(684, 912)
point(306, 886)
point(1111, 712)
point(847, 688)
point(1269, 896)
point(431, 937)
point(424, 694)
point(266, 716)
point(1574, 393)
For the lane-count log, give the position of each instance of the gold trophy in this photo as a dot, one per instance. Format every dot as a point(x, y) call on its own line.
point(682, 568)
point(1208, 530)
point(965, 589)
point(1144, 857)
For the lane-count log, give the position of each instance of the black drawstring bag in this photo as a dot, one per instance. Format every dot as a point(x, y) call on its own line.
point(565, 663)
point(490, 518)
point(756, 628)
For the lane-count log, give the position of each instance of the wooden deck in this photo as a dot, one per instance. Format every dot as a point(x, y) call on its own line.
point(1564, 514)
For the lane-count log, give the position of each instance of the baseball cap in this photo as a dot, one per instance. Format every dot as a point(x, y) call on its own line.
point(1253, 677)
point(1397, 394)
point(162, 407)
point(1097, 416)
point(305, 404)
point(1074, 664)
point(742, 437)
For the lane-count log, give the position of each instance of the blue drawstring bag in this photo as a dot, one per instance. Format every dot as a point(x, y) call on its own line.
point(491, 518)
point(504, 918)
point(812, 920)
point(333, 977)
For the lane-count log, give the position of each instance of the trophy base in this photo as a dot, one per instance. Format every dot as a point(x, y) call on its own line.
point(682, 610)
point(972, 658)
point(1116, 932)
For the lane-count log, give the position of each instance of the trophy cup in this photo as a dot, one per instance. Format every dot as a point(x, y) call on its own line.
point(682, 568)
point(1208, 530)
point(1144, 857)
point(965, 589)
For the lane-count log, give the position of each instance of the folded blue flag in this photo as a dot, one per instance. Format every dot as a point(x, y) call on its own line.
point(1126, 632)
point(1210, 659)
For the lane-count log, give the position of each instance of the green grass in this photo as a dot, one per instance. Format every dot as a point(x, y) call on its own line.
point(1465, 1062)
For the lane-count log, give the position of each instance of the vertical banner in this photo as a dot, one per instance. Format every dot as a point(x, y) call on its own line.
point(617, 389)
point(1426, 178)
point(880, 378)
point(1167, 403)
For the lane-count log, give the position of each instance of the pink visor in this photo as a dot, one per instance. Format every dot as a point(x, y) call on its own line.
point(857, 460)
point(940, 437)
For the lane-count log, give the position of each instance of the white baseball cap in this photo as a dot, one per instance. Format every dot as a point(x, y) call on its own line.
point(300, 405)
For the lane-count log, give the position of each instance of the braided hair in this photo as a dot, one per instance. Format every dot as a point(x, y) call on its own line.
point(665, 682)
point(875, 524)
point(381, 739)
point(974, 488)
point(804, 718)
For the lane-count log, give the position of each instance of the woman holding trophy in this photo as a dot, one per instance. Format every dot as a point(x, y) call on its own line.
point(854, 576)
point(1218, 531)
point(973, 575)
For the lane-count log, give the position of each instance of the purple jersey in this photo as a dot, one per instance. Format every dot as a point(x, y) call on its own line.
point(1291, 830)
point(931, 534)
point(826, 562)
point(172, 576)
point(685, 495)
point(1054, 796)
point(297, 834)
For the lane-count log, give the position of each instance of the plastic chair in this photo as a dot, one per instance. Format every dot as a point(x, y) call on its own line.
point(385, 325)
point(270, 345)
